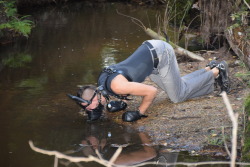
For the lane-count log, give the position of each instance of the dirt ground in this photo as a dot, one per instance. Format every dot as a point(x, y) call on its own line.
point(195, 125)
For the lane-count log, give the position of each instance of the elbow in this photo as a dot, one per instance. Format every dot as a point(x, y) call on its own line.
point(154, 91)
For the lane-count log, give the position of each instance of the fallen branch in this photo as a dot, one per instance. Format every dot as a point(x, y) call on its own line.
point(179, 50)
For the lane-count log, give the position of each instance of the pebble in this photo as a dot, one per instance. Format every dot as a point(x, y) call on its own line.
point(237, 62)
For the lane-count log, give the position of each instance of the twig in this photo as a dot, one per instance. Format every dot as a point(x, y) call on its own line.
point(246, 4)
point(62, 156)
point(56, 162)
point(114, 157)
point(133, 19)
point(65, 163)
point(98, 154)
point(205, 163)
point(234, 118)
point(225, 143)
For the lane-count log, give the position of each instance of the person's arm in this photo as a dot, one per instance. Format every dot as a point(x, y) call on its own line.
point(120, 85)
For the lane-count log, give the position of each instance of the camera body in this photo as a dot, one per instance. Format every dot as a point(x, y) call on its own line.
point(115, 106)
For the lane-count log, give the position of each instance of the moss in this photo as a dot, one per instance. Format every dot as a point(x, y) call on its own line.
point(247, 105)
point(246, 148)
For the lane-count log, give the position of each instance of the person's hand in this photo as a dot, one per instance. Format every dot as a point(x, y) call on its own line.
point(131, 116)
point(114, 106)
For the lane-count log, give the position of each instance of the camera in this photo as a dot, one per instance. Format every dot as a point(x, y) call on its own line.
point(114, 106)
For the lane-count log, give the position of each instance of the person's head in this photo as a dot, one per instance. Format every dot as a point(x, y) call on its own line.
point(96, 101)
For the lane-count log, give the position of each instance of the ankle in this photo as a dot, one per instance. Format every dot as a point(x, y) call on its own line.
point(207, 68)
point(215, 72)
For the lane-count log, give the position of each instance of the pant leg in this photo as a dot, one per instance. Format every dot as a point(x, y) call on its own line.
point(200, 84)
point(193, 74)
point(168, 77)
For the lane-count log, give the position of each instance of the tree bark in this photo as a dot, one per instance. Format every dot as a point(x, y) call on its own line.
point(239, 45)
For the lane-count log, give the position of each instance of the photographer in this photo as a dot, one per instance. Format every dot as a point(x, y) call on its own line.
point(156, 59)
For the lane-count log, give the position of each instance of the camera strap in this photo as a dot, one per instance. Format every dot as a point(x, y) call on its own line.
point(103, 88)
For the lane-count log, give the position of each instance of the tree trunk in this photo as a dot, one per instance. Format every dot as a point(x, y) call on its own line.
point(215, 25)
point(238, 44)
point(215, 16)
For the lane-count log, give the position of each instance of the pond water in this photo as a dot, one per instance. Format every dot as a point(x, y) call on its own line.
point(68, 47)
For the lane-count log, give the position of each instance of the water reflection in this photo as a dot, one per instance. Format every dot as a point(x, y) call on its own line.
point(108, 55)
point(106, 139)
point(17, 61)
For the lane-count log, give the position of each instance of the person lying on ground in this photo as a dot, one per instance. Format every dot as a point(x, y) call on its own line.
point(156, 59)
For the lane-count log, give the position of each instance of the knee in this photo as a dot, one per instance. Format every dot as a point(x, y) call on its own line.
point(176, 99)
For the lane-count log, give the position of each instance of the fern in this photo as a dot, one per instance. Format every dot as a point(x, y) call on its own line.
point(18, 25)
point(5, 25)
point(22, 27)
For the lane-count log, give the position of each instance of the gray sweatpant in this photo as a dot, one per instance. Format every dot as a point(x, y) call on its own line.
point(167, 76)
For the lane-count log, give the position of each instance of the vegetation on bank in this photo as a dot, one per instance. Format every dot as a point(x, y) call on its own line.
point(238, 32)
point(11, 22)
point(246, 147)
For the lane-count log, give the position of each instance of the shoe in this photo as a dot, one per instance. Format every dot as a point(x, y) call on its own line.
point(212, 64)
point(223, 78)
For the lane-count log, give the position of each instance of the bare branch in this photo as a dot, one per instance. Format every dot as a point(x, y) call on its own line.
point(225, 143)
point(234, 118)
point(247, 4)
point(133, 19)
point(114, 157)
point(98, 154)
point(56, 162)
point(62, 156)
point(205, 163)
